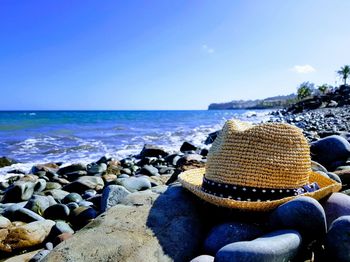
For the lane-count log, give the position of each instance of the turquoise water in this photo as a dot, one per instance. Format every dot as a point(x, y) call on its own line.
point(42, 136)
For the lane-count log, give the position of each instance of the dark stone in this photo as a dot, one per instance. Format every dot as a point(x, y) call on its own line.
point(337, 244)
point(211, 137)
point(20, 191)
point(152, 151)
point(330, 149)
point(57, 212)
point(172, 159)
point(149, 171)
point(84, 183)
point(81, 216)
point(5, 161)
point(293, 213)
point(228, 233)
point(278, 246)
point(71, 168)
point(186, 146)
point(204, 152)
point(72, 197)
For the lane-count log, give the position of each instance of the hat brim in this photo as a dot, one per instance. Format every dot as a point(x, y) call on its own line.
point(192, 180)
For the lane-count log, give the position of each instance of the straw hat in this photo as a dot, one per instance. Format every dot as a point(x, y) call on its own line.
point(257, 168)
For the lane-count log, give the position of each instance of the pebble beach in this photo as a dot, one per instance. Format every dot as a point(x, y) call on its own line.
point(136, 210)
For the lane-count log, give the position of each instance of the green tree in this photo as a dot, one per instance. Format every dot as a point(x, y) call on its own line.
point(344, 73)
point(324, 88)
point(305, 89)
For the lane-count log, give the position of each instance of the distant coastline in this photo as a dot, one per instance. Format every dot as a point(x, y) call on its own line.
point(275, 102)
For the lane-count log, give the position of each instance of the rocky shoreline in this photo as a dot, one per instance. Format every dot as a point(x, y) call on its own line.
point(134, 210)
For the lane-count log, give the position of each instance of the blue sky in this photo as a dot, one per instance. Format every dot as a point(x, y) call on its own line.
point(164, 54)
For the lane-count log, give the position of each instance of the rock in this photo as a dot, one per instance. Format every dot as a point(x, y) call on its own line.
point(72, 197)
point(52, 185)
point(81, 216)
point(152, 151)
point(5, 161)
point(203, 258)
point(95, 168)
point(72, 176)
point(204, 152)
point(4, 222)
point(39, 256)
point(57, 212)
point(25, 236)
point(57, 194)
point(48, 167)
point(186, 146)
point(155, 232)
point(22, 214)
point(60, 238)
point(49, 245)
point(71, 168)
point(111, 196)
point(134, 184)
point(337, 205)
point(172, 159)
point(211, 137)
point(113, 167)
point(40, 185)
point(126, 171)
point(293, 213)
point(109, 178)
point(23, 257)
point(190, 161)
point(38, 204)
point(282, 245)
point(149, 171)
point(344, 176)
point(19, 191)
point(337, 243)
point(89, 193)
point(72, 205)
point(59, 228)
point(224, 234)
point(330, 149)
point(85, 203)
point(318, 167)
point(84, 183)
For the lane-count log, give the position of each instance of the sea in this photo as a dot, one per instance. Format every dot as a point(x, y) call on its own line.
point(32, 137)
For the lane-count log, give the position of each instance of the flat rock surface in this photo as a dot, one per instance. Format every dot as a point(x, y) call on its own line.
point(161, 227)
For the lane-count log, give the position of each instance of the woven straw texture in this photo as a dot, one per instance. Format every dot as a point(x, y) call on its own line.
point(192, 180)
point(271, 155)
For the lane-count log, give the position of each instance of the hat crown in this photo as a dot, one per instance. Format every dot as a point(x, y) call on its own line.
point(270, 155)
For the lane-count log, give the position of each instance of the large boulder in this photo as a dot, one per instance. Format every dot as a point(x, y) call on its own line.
point(165, 227)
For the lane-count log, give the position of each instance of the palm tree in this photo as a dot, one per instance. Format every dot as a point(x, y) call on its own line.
point(344, 73)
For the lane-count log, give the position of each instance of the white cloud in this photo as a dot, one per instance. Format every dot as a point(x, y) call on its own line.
point(303, 69)
point(207, 49)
